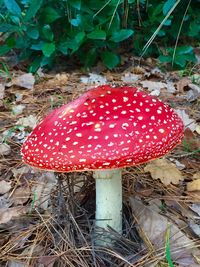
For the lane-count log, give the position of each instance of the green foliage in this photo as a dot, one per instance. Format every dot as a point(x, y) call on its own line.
point(41, 31)
point(179, 57)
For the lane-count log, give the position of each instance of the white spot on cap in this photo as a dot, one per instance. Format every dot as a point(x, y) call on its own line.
point(111, 144)
point(79, 134)
point(112, 125)
point(140, 118)
point(82, 160)
point(125, 125)
point(125, 99)
point(161, 130)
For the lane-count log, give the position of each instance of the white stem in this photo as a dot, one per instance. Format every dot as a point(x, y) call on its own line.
point(109, 199)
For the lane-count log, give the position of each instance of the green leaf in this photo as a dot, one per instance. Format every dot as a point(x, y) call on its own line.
point(180, 60)
point(165, 59)
point(168, 5)
point(15, 20)
point(110, 59)
point(5, 27)
point(47, 32)
point(77, 21)
point(35, 65)
point(33, 33)
point(33, 9)
point(49, 15)
point(97, 34)
point(4, 49)
point(75, 3)
point(89, 58)
point(121, 35)
point(13, 7)
point(194, 29)
point(48, 49)
point(181, 50)
point(38, 46)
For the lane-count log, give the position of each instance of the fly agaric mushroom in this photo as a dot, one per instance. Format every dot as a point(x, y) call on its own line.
point(104, 130)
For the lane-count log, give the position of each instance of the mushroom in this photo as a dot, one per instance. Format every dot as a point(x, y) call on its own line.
point(104, 130)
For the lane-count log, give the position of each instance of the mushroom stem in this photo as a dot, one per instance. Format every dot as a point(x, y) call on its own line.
point(109, 199)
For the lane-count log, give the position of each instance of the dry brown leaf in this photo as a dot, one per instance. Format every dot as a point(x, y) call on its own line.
point(154, 227)
point(129, 77)
point(194, 185)
point(45, 183)
point(4, 149)
point(29, 121)
point(7, 214)
point(197, 129)
point(196, 175)
point(164, 170)
point(26, 80)
point(93, 79)
point(188, 123)
point(21, 195)
point(2, 90)
point(182, 84)
point(5, 187)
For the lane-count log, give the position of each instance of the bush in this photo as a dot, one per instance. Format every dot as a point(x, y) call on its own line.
point(41, 31)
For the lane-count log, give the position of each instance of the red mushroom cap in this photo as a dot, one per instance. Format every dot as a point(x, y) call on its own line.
point(107, 127)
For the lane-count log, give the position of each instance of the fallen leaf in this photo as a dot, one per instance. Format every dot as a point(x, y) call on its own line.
point(20, 171)
point(196, 175)
point(5, 187)
point(155, 87)
point(164, 170)
point(197, 129)
point(130, 77)
point(196, 78)
point(179, 165)
point(30, 121)
point(188, 123)
point(190, 142)
point(4, 202)
point(182, 84)
point(26, 80)
point(18, 109)
point(13, 263)
point(195, 227)
point(94, 79)
point(5, 149)
point(194, 185)
point(45, 183)
point(155, 227)
point(2, 90)
point(7, 214)
point(21, 195)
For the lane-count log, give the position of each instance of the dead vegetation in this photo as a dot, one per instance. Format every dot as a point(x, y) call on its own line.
point(47, 219)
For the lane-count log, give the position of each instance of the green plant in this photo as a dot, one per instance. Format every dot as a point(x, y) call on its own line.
point(4, 71)
point(41, 32)
point(182, 56)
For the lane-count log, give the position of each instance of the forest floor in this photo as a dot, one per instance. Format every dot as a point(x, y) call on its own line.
point(47, 220)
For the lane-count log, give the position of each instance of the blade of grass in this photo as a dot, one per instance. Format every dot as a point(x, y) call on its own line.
point(167, 247)
point(158, 29)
